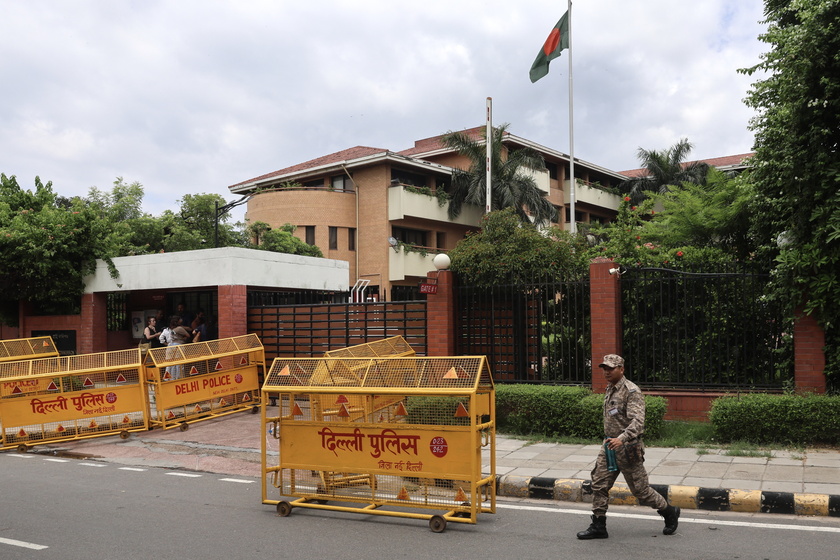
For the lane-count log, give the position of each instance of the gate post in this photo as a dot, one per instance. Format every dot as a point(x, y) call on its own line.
point(605, 308)
point(808, 354)
point(233, 311)
point(440, 314)
point(93, 332)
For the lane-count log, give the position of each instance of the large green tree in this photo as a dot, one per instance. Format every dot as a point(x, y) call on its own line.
point(508, 251)
point(796, 168)
point(512, 185)
point(665, 168)
point(48, 244)
point(280, 240)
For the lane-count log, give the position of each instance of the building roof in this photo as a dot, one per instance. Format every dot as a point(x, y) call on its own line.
point(331, 159)
point(435, 143)
point(723, 163)
point(223, 266)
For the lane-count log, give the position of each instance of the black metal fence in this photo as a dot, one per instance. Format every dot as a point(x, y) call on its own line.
point(311, 329)
point(535, 333)
point(704, 331)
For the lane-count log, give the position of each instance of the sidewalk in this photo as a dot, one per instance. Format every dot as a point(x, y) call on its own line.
point(806, 483)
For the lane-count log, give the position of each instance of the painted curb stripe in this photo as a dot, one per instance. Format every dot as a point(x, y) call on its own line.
point(834, 506)
point(777, 502)
point(689, 497)
point(541, 488)
point(713, 499)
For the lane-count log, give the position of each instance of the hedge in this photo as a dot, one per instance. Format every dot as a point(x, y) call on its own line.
point(785, 419)
point(562, 411)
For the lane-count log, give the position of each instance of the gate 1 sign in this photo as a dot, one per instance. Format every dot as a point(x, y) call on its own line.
point(428, 288)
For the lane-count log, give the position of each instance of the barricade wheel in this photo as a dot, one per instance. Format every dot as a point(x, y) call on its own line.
point(124, 434)
point(255, 410)
point(437, 524)
point(22, 448)
point(321, 502)
point(184, 426)
point(284, 509)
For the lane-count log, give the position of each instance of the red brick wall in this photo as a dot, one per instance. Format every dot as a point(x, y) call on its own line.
point(440, 315)
point(233, 311)
point(605, 306)
point(809, 356)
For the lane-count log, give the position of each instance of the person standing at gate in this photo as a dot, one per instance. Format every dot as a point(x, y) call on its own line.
point(175, 335)
point(624, 425)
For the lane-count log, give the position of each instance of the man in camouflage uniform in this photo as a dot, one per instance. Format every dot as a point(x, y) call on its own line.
point(624, 424)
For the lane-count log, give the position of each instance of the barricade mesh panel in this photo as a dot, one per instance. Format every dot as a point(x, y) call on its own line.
point(393, 346)
point(69, 364)
point(24, 348)
point(387, 373)
point(210, 348)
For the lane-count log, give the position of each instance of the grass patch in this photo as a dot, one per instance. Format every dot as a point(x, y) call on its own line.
point(699, 435)
point(743, 449)
point(684, 434)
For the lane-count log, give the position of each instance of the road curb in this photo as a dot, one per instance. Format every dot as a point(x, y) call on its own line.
point(686, 497)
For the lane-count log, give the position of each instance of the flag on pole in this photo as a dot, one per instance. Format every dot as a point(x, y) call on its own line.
point(557, 41)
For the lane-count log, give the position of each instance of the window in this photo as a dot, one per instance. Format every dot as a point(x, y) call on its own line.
point(333, 238)
point(441, 240)
point(310, 234)
point(410, 236)
point(552, 169)
point(351, 239)
point(408, 178)
point(341, 183)
point(316, 183)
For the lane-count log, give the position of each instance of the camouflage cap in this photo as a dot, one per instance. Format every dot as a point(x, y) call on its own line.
point(612, 360)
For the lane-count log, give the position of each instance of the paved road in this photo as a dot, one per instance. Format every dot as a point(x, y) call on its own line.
point(79, 509)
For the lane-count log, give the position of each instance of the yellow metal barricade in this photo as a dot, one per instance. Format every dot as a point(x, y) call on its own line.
point(193, 382)
point(47, 400)
point(394, 346)
point(404, 432)
point(27, 348)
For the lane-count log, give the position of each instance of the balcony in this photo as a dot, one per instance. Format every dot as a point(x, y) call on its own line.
point(403, 264)
point(592, 194)
point(404, 204)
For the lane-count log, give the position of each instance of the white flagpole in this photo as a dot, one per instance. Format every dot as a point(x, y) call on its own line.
point(489, 145)
point(573, 221)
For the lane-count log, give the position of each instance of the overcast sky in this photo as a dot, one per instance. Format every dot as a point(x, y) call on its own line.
point(192, 96)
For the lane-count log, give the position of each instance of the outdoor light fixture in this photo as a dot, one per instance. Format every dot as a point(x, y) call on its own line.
point(619, 270)
point(392, 241)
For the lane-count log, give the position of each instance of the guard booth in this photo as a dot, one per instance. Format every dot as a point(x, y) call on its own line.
point(397, 435)
point(27, 348)
point(54, 399)
point(193, 382)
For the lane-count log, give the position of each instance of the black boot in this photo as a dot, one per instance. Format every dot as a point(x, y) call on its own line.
point(597, 529)
point(672, 519)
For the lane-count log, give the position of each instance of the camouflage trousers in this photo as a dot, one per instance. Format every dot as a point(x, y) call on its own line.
point(635, 475)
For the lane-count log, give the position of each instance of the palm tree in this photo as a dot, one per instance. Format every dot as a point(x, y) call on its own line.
point(511, 187)
point(664, 169)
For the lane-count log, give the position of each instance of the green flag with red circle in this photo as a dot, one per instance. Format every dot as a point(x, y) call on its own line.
point(557, 41)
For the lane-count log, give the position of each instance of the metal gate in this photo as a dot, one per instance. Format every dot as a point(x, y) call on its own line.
point(704, 330)
point(313, 329)
point(535, 333)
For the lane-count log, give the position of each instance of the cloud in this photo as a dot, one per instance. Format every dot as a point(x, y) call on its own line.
point(193, 96)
